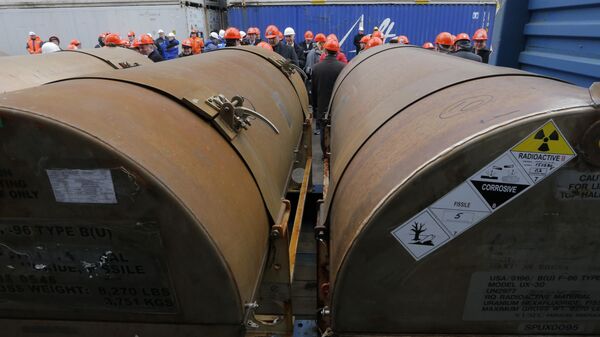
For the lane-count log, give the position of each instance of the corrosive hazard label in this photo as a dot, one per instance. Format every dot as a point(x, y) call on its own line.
point(511, 174)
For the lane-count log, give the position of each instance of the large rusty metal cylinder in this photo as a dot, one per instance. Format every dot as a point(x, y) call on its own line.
point(26, 71)
point(463, 199)
point(139, 202)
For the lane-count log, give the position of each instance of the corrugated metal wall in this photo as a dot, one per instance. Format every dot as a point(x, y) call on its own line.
point(419, 22)
point(563, 40)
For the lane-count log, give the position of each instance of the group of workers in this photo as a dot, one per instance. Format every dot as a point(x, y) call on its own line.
point(35, 45)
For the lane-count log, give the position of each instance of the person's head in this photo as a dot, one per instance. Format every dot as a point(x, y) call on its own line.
point(462, 42)
point(131, 36)
point(289, 34)
point(374, 42)
point(112, 40)
point(272, 35)
point(161, 33)
point(194, 34)
point(428, 45)
point(171, 36)
point(232, 37)
point(186, 45)
point(222, 34)
point(402, 39)
point(49, 47)
point(363, 41)
point(75, 43)
point(320, 39)
point(55, 40)
point(214, 37)
point(332, 47)
point(444, 42)
point(361, 30)
point(308, 36)
point(252, 34)
point(32, 35)
point(480, 38)
point(146, 45)
point(265, 45)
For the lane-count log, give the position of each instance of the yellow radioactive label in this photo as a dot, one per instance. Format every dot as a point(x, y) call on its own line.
point(547, 139)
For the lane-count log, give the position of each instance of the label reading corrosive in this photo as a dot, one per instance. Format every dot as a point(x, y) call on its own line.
point(83, 186)
point(495, 185)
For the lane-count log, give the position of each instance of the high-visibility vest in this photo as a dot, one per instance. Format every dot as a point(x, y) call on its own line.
point(197, 45)
point(34, 46)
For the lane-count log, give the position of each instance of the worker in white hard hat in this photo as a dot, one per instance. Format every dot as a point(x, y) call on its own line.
point(161, 43)
point(171, 47)
point(49, 47)
point(34, 44)
point(358, 37)
point(290, 36)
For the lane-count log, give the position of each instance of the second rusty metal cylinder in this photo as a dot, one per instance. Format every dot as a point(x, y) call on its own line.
point(26, 71)
point(464, 199)
point(140, 202)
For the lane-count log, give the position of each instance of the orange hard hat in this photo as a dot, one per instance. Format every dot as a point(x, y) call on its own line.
point(130, 34)
point(332, 36)
point(135, 44)
point(112, 39)
point(444, 38)
point(125, 43)
point(480, 35)
point(365, 39)
point(257, 31)
point(377, 34)
point(265, 45)
point(374, 41)
point(428, 45)
point(252, 30)
point(271, 32)
point(232, 33)
point(146, 39)
point(320, 38)
point(187, 43)
point(308, 35)
point(75, 42)
point(403, 39)
point(462, 36)
point(332, 45)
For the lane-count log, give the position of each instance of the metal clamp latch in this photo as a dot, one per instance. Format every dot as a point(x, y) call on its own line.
point(235, 115)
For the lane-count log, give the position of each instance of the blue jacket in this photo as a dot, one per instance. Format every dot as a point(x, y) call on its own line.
point(161, 45)
point(171, 49)
point(209, 46)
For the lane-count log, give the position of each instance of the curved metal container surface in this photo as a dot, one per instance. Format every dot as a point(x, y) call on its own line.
point(127, 207)
point(401, 141)
point(26, 71)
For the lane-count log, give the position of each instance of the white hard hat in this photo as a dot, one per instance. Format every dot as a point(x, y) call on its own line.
point(149, 34)
point(49, 47)
point(289, 31)
point(171, 34)
point(32, 33)
point(214, 35)
point(160, 31)
point(222, 33)
point(242, 33)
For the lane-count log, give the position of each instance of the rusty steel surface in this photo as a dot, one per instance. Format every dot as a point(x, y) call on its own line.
point(26, 71)
point(424, 152)
point(137, 208)
point(268, 92)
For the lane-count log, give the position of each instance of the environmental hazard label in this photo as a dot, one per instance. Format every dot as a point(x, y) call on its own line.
point(510, 175)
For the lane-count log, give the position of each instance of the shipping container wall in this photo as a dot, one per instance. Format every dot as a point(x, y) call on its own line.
point(563, 40)
point(420, 23)
point(85, 23)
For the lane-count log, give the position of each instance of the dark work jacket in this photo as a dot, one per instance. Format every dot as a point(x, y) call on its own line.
point(485, 54)
point(301, 55)
point(324, 75)
point(357, 39)
point(287, 52)
point(306, 48)
point(467, 55)
point(155, 56)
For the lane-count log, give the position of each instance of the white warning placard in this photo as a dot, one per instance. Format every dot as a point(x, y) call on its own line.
point(495, 185)
point(421, 235)
point(82, 186)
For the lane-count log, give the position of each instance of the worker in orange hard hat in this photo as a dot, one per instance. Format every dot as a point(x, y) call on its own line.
point(363, 42)
point(186, 47)
point(373, 42)
point(312, 58)
point(34, 44)
point(377, 34)
point(265, 45)
point(147, 47)
point(428, 45)
point(340, 56)
point(112, 40)
point(480, 37)
point(324, 75)
point(253, 36)
point(232, 36)
point(100, 40)
point(444, 43)
point(74, 45)
point(273, 36)
point(307, 45)
point(197, 42)
point(463, 49)
point(131, 38)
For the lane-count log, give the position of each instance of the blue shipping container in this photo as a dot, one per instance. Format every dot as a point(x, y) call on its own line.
point(420, 23)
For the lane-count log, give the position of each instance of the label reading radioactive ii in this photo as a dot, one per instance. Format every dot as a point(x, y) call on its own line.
point(505, 178)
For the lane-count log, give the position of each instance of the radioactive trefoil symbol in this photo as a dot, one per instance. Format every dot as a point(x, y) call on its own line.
point(541, 135)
